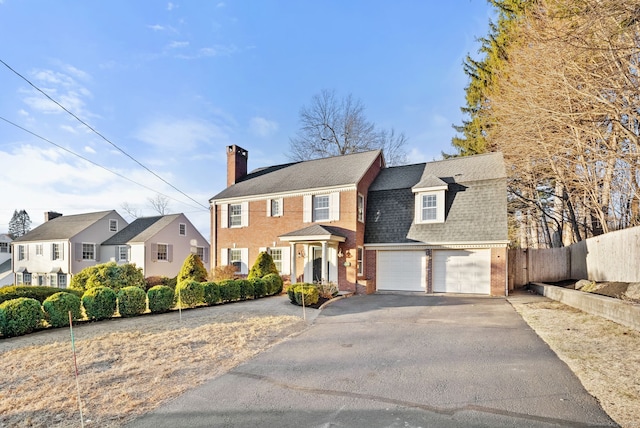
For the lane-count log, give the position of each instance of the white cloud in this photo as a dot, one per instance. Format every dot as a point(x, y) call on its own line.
point(23, 112)
point(156, 27)
point(177, 45)
point(262, 127)
point(171, 6)
point(221, 4)
point(69, 129)
point(89, 149)
point(180, 135)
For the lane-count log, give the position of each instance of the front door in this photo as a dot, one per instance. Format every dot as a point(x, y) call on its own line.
point(317, 264)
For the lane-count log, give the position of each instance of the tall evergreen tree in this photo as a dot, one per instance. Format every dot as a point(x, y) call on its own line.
point(20, 224)
point(482, 77)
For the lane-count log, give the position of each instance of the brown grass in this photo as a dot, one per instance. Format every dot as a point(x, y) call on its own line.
point(126, 373)
point(605, 356)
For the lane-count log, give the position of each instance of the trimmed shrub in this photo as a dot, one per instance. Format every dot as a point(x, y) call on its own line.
point(109, 275)
point(263, 265)
point(160, 298)
point(259, 288)
point(298, 292)
point(99, 303)
point(189, 294)
point(246, 289)
point(20, 316)
point(192, 270)
point(225, 290)
point(132, 301)
point(211, 293)
point(57, 307)
point(274, 284)
point(40, 293)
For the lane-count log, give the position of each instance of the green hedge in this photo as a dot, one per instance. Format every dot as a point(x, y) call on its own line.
point(229, 290)
point(57, 307)
point(109, 275)
point(132, 301)
point(274, 284)
point(259, 288)
point(211, 293)
point(20, 316)
point(160, 298)
point(296, 292)
point(40, 293)
point(99, 303)
point(246, 289)
point(189, 294)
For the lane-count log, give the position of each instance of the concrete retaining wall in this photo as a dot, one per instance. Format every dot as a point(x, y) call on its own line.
point(615, 310)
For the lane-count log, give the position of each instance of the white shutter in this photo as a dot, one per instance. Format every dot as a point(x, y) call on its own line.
point(244, 254)
point(286, 260)
point(262, 249)
point(245, 214)
point(268, 207)
point(224, 216)
point(224, 257)
point(170, 253)
point(418, 209)
point(281, 206)
point(307, 208)
point(154, 252)
point(334, 206)
point(78, 251)
point(62, 251)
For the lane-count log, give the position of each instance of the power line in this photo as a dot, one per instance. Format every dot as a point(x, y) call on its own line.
point(90, 161)
point(99, 134)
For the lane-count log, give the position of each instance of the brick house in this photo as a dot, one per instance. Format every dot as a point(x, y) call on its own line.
point(353, 221)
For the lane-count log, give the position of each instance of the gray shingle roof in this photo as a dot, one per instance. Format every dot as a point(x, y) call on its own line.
point(326, 172)
point(475, 202)
point(5, 266)
point(315, 230)
point(141, 229)
point(64, 227)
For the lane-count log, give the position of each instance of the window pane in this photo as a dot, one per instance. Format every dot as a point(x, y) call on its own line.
point(4, 247)
point(113, 225)
point(321, 208)
point(88, 252)
point(183, 229)
point(124, 253)
point(235, 215)
point(275, 207)
point(361, 208)
point(276, 255)
point(360, 260)
point(235, 259)
point(162, 251)
point(429, 209)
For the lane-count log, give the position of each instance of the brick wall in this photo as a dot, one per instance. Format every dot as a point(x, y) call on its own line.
point(498, 271)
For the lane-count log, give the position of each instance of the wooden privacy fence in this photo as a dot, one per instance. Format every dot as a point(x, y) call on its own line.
point(611, 257)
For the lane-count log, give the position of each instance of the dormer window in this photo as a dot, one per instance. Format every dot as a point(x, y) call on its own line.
point(429, 202)
point(429, 207)
point(113, 225)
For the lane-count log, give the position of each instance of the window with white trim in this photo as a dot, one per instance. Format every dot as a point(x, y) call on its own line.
point(53, 280)
point(200, 253)
point(235, 215)
point(429, 207)
point(235, 258)
point(275, 207)
point(123, 253)
point(62, 280)
point(360, 260)
point(38, 249)
point(55, 251)
point(26, 278)
point(4, 247)
point(182, 229)
point(21, 252)
point(321, 208)
point(276, 255)
point(360, 208)
point(113, 225)
point(88, 251)
point(163, 252)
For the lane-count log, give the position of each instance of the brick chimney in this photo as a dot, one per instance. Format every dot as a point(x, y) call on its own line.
point(50, 215)
point(237, 159)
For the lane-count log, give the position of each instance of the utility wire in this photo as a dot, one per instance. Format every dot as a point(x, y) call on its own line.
point(99, 134)
point(90, 161)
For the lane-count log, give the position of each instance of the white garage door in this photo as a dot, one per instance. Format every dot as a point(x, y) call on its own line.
point(462, 271)
point(401, 270)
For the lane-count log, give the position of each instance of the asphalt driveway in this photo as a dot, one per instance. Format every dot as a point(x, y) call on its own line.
point(396, 361)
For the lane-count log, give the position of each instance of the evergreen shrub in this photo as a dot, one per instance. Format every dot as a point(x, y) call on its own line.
point(99, 303)
point(57, 307)
point(160, 298)
point(211, 293)
point(132, 301)
point(20, 316)
point(189, 294)
point(259, 288)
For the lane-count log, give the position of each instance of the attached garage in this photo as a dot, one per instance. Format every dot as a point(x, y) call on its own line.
point(401, 271)
point(462, 271)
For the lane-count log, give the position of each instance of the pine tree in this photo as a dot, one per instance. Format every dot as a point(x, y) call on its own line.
point(192, 270)
point(20, 224)
point(264, 265)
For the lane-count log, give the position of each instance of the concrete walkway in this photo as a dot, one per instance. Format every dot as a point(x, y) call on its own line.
point(396, 361)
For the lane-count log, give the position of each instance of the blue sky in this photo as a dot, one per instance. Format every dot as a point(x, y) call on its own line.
point(174, 83)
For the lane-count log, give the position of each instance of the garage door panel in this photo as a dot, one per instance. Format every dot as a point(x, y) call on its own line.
point(401, 271)
point(462, 271)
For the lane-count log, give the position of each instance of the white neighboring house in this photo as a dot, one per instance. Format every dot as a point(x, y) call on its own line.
point(6, 277)
point(62, 246)
point(159, 245)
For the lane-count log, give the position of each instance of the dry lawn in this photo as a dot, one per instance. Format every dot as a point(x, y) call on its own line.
point(604, 355)
point(126, 367)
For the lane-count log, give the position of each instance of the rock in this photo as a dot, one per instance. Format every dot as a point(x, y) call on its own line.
point(585, 283)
